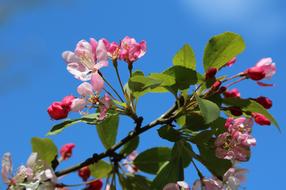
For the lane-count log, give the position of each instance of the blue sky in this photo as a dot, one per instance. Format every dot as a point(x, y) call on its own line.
point(33, 73)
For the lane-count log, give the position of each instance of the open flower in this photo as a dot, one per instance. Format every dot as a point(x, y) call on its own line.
point(128, 163)
point(36, 174)
point(264, 69)
point(130, 50)
point(86, 60)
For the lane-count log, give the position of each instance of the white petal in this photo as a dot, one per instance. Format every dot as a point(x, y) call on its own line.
point(70, 57)
point(79, 71)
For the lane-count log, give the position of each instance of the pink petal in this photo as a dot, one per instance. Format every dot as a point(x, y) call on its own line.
point(6, 167)
point(101, 55)
point(79, 71)
point(70, 57)
point(85, 89)
point(78, 104)
point(97, 82)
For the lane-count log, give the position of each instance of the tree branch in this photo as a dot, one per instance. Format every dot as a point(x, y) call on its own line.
point(167, 117)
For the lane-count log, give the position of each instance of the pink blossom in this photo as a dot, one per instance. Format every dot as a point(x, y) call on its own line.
point(86, 60)
point(234, 93)
point(128, 163)
point(78, 104)
point(177, 186)
point(130, 50)
point(85, 89)
point(231, 62)
point(234, 177)
point(66, 151)
point(104, 106)
point(97, 82)
point(264, 68)
point(7, 168)
point(208, 184)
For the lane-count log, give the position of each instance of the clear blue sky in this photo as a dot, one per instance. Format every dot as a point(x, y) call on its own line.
point(32, 73)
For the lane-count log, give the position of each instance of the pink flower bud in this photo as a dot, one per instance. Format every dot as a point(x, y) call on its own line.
point(264, 101)
point(84, 173)
point(95, 185)
point(261, 119)
point(215, 85)
point(211, 72)
point(255, 73)
point(66, 151)
point(234, 93)
point(67, 101)
point(265, 68)
point(231, 62)
point(57, 111)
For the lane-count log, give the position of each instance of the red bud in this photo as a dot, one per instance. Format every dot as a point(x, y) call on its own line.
point(236, 111)
point(255, 73)
point(234, 93)
point(215, 85)
point(261, 119)
point(211, 72)
point(264, 101)
point(84, 173)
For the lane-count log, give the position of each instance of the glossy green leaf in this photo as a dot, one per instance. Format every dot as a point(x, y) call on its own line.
point(169, 133)
point(250, 106)
point(107, 130)
point(56, 129)
point(45, 148)
point(184, 77)
point(152, 159)
point(134, 182)
point(100, 169)
point(169, 173)
point(185, 57)
point(209, 110)
point(130, 146)
point(221, 49)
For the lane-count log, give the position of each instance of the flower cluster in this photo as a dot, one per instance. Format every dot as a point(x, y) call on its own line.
point(36, 174)
point(84, 63)
point(235, 143)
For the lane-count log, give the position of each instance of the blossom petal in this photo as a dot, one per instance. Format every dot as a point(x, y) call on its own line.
point(6, 167)
point(97, 82)
point(79, 71)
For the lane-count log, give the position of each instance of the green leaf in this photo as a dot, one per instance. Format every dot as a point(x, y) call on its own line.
point(45, 148)
point(169, 133)
point(152, 159)
point(194, 121)
point(209, 110)
point(155, 82)
point(169, 173)
point(184, 77)
point(173, 170)
point(134, 182)
point(100, 169)
point(107, 130)
point(56, 129)
point(185, 57)
point(250, 106)
point(215, 165)
point(221, 49)
point(181, 151)
point(130, 146)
